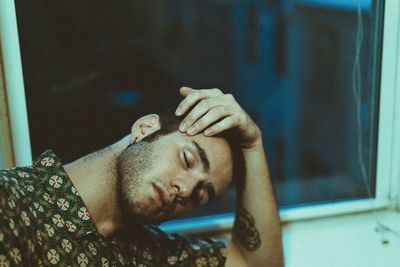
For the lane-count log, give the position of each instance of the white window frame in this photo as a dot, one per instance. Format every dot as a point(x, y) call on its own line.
point(388, 151)
point(14, 82)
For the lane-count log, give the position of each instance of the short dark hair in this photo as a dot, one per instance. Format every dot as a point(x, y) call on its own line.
point(170, 123)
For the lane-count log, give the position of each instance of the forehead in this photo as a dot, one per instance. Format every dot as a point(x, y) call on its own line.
point(217, 151)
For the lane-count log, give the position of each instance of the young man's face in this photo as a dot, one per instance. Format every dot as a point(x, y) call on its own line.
point(169, 176)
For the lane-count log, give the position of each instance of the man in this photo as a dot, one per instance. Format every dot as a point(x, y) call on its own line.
point(95, 211)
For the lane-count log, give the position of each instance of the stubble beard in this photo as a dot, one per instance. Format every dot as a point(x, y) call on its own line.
point(132, 164)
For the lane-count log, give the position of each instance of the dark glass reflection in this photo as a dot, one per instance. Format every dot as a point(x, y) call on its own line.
point(92, 67)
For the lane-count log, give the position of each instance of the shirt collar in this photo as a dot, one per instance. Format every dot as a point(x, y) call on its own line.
point(61, 193)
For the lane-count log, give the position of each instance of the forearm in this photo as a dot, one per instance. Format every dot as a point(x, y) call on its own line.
point(258, 242)
point(257, 232)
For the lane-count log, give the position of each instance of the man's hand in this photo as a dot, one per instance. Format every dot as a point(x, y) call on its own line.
point(214, 112)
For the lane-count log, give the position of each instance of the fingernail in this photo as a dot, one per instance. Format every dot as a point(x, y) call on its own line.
point(182, 127)
point(178, 111)
point(191, 130)
point(207, 132)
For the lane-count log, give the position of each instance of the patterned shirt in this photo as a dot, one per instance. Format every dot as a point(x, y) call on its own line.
point(44, 222)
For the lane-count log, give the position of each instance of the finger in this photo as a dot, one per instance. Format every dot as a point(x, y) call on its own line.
point(225, 124)
point(212, 116)
point(184, 90)
point(193, 97)
point(199, 110)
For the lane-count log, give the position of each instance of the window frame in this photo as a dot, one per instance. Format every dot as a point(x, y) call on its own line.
point(19, 143)
point(388, 145)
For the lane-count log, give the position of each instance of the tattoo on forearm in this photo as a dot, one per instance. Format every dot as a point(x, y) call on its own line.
point(245, 230)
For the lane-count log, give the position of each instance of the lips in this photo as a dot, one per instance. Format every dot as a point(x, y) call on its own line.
point(161, 196)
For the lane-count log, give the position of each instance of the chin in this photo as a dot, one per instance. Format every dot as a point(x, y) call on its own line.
point(156, 217)
point(142, 209)
point(136, 214)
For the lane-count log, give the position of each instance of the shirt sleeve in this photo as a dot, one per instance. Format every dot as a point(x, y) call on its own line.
point(180, 250)
point(12, 227)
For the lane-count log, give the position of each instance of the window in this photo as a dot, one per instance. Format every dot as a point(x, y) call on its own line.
point(308, 71)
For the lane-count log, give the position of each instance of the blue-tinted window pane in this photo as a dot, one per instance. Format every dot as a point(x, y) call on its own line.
point(92, 67)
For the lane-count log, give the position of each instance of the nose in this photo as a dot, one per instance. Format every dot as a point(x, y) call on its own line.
point(184, 186)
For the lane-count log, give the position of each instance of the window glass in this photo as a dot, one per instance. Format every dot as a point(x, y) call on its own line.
point(1, 159)
point(92, 67)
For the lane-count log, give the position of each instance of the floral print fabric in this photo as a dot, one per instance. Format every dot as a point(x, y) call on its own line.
point(44, 222)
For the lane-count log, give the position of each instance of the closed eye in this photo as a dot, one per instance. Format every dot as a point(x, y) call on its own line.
point(186, 160)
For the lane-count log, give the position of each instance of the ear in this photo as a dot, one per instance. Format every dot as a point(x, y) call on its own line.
point(145, 126)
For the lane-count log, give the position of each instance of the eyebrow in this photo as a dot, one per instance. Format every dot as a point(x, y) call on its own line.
point(211, 193)
point(206, 164)
point(203, 156)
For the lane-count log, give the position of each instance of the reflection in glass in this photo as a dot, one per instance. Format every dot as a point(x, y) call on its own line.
point(92, 67)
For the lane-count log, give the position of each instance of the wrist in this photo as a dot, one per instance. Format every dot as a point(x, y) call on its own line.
point(252, 138)
point(256, 143)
